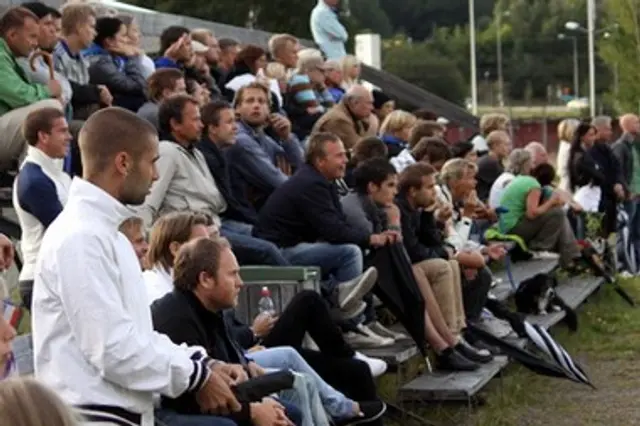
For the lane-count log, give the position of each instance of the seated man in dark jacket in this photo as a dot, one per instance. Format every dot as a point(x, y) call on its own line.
point(207, 282)
point(219, 134)
point(304, 217)
point(422, 233)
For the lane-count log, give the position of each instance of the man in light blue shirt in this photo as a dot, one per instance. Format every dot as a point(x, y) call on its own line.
point(328, 33)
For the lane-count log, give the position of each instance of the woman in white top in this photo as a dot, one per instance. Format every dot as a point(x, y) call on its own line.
point(168, 234)
point(566, 129)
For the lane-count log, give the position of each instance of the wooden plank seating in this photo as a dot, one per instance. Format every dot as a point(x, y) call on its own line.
point(462, 386)
point(394, 355)
point(575, 290)
point(451, 386)
point(521, 271)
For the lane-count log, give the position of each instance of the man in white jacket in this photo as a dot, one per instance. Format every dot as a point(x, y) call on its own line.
point(93, 338)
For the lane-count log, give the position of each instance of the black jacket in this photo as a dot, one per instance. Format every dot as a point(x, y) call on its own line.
point(237, 209)
point(181, 316)
point(306, 209)
point(420, 234)
point(622, 149)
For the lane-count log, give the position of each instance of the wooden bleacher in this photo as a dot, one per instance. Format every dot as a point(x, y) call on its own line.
point(464, 386)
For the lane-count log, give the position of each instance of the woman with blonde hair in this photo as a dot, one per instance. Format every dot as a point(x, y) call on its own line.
point(350, 71)
point(395, 130)
point(566, 132)
point(26, 402)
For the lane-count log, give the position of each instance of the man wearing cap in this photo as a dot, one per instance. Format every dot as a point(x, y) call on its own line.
point(307, 97)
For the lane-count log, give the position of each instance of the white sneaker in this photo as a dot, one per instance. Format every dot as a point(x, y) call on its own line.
point(383, 331)
point(544, 255)
point(359, 340)
point(382, 341)
point(377, 366)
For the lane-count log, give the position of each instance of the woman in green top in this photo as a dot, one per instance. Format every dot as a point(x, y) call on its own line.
point(542, 223)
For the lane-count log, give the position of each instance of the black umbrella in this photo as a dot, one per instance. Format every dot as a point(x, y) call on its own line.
point(527, 358)
point(556, 361)
point(398, 290)
point(543, 341)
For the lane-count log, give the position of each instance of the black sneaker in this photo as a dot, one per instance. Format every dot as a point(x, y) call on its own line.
point(482, 356)
point(371, 410)
point(452, 360)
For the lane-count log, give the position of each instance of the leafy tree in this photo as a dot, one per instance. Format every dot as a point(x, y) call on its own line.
point(621, 52)
point(420, 64)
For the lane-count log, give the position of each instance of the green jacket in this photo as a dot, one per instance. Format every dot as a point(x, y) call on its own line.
point(16, 90)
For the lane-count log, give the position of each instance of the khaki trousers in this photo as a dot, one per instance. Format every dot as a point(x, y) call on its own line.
point(444, 277)
point(13, 145)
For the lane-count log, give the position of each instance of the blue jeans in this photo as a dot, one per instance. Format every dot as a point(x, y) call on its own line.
point(286, 358)
point(171, 418)
point(248, 249)
point(338, 262)
point(633, 210)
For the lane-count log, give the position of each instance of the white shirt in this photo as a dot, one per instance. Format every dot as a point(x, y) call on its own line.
point(402, 160)
point(93, 339)
point(563, 165)
point(48, 171)
point(498, 187)
point(158, 282)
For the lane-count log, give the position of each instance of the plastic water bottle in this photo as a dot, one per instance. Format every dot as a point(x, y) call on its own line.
point(265, 304)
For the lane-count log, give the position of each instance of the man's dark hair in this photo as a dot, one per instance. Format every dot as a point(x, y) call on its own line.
point(15, 18)
point(461, 149)
point(374, 171)
point(172, 109)
point(40, 120)
point(226, 43)
point(368, 148)
point(56, 13)
point(39, 9)
point(170, 35)
point(161, 79)
point(195, 257)
point(544, 173)
point(411, 177)
point(106, 27)
point(431, 150)
point(211, 112)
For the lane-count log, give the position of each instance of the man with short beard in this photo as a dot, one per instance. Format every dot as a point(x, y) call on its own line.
point(259, 163)
point(87, 316)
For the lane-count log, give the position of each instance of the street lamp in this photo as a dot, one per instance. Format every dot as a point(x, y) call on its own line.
point(499, 16)
point(472, 57)
point(591, 32)
point(576, 78)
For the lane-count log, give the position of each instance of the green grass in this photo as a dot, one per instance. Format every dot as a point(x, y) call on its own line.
point(607, 344)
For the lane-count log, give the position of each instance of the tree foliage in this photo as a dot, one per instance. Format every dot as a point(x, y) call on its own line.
point(621, 52)
point(420, 64)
